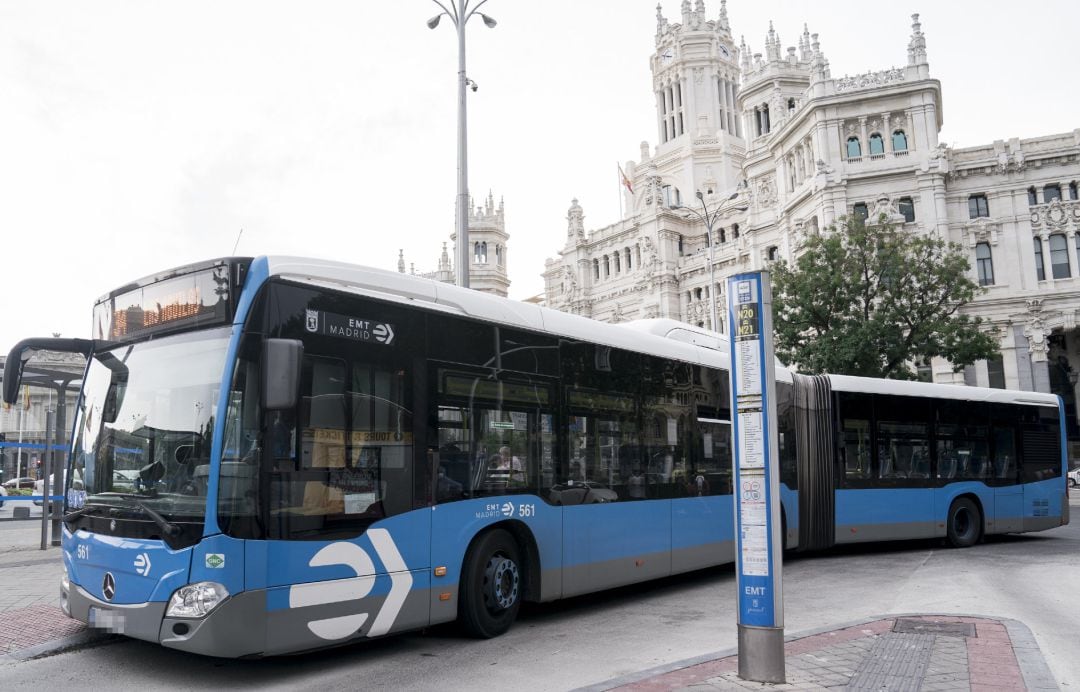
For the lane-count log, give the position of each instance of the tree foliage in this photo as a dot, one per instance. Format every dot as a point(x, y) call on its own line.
point(872, 300)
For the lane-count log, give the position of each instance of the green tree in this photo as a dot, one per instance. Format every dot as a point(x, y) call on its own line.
point(872, 300)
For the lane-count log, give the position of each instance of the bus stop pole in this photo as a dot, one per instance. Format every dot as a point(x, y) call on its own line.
point(46, 486)
point(759, 543)
point(58, 463)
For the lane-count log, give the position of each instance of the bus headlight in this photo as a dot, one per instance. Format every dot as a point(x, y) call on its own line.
point(196, 600)
point(65, 582)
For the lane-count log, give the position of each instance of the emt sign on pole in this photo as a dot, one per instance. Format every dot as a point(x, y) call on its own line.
point(757, 479)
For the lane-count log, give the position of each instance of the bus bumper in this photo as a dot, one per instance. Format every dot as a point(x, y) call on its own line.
point(235, 628)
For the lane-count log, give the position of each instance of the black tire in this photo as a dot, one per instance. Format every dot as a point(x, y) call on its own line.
point(965, 523)
point(492, 584)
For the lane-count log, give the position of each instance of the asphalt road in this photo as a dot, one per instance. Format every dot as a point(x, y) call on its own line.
point(1031, 578)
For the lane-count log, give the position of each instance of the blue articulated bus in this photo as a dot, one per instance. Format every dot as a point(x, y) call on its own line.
point(274, 455)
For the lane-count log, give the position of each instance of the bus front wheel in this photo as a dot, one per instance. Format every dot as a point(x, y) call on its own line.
point(965, 523)
point(491, 585)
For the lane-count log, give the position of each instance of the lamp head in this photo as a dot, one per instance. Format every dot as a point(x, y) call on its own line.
point(434, 21)
point(488, 21)
point(699, 195)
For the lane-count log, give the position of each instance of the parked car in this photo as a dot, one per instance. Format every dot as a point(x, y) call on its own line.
point(24, 483)
point(1074, 477)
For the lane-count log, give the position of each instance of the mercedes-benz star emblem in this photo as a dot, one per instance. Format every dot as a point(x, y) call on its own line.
point(108, 586)
point(112, 526)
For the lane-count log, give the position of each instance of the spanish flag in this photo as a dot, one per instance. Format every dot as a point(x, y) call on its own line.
point(624, 180)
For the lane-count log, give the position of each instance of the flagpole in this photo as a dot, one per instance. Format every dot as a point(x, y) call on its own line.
point(618, 171)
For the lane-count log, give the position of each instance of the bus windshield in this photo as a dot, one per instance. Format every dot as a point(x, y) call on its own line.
point(145, 426)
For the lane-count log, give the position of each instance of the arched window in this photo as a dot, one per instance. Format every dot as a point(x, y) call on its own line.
point(734, 230)
point(1033, 199)
point(1073, 191)
point(617, 263)
point(596, 269)
point(628, 267)
point(773, 253)
point(1051, 192)
point(899, 141)
point(790, 105)
point(985, 264)
point(860, 211)
point(877, 144)
point(697, 294)
point(723, 236)
point(607, 267)
point(854, 149)
point(1040, 272)
point(1059, 256)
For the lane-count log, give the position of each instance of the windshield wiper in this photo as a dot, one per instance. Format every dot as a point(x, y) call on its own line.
point(170, 529)
point(72, 516)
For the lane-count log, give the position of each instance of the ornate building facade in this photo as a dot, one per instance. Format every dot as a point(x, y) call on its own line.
point(779, 148)
point(489, 271)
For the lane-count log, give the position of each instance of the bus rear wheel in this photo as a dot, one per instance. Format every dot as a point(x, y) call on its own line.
point(491, 585)
point(964, 526)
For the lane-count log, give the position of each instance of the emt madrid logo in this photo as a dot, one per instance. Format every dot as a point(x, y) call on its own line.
point(340, 590)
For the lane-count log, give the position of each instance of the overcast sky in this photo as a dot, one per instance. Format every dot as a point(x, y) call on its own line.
point(137, 136)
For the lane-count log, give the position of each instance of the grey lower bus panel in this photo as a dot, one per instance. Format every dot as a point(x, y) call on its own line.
point(140, 620)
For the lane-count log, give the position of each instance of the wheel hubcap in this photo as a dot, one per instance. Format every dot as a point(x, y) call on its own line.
point(501, 582)
point(962, 522)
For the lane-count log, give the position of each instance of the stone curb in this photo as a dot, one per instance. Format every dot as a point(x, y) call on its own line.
point(80, 640)
point(1033, 667)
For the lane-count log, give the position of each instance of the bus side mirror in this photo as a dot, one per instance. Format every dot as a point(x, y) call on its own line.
point(281, 363)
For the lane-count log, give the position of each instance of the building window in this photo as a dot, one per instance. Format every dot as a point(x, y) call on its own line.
point(680, 246)
point(899, 141)
point(1033, 199)
point(995, 369)
point(907, 208)
point(628, 267)
point(860, 211)
point(607, 266)
point(1040, 272)
point(734, 230)
point(772, 253)
point(616, 258)
point(678, 106)
point(596, 269)
point(697, 293)
point(985, 264)
point(672, 196)
point(1059, 256)
point(924, 372)
point(790, 105)
point(480, 253)
point(854, 150)
point(877, 145)
point(1051, 192)
point(1077, 239)
point(723, 236)
point(977, 207)
point(1073, 191)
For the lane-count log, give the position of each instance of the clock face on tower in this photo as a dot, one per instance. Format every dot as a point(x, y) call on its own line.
point(724, 51)
point(666, 56)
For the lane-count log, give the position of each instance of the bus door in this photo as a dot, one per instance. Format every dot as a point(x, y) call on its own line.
point(1042, 467)
point(1008, 513)
point(616, 527)
point(702, 526)
point(346, 489)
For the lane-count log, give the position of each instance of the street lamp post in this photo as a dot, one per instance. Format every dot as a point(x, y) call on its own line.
point(709, 219)
point(459, 13)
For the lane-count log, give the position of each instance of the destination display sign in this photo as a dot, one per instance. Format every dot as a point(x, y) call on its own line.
point(346, 327)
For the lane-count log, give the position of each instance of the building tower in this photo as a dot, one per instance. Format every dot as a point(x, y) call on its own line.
point(696, 85)
point(488, 238)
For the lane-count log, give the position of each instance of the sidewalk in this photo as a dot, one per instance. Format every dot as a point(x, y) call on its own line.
point(31, 622)
point(904, 652)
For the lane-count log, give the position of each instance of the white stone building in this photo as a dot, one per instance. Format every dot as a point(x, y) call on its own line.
point(778, 147)
point(489, 270)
